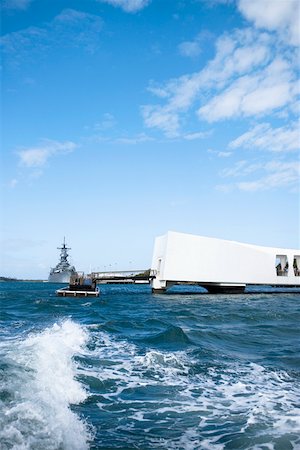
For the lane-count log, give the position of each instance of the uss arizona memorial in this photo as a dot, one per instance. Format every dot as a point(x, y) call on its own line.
point(219, 265)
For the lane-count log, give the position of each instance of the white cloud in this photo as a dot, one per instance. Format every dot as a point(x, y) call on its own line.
point(190, 48)
point(157, 91)
point(253, 74)
point(243, 53)
point(219, 154)
point(34, 157)
point(73, 16)
point(108, 121)
point(263, 176)
point(121, 139)
point(277, 175)
point(142, 137)
point(264, 137)
point(70, 28)
point(274, 15)
point(256, 94)
point(161, 117)
point(197, 135)
point(130, 6)
point(241, 168)
point(77, 28)
point(224, 154)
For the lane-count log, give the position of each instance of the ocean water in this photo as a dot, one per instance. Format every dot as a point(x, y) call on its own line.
point(129, 370)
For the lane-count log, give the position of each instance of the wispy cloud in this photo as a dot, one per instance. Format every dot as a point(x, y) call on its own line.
point(107, 121)
point(163, 118)
point(254, 95)
point(213, 3)
point(263, 176)
point(224, 154)
point(79, 20)
point(241, 169)
point(142, 137)
point(264, 137)
point(281, 16)
point(122, 139)
point(190, 49)
point(37, 157)
point(244, 52)
point(253, 74)
point(219, 154)
point(70, 28)
point(130, 6)
point(193, 48)
point(196, 135)
point(16, 4)
point(277, 175)
point(168, 121)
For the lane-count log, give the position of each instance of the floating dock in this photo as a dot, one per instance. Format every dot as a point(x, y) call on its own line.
point(66, 292)
point(219, 265)
point(79, 286)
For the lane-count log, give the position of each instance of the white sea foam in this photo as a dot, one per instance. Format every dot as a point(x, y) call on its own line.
point(41, 386)
point(221, 403)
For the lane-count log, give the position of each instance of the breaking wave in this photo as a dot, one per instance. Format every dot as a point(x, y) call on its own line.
point(138, 397)
point(39, 386)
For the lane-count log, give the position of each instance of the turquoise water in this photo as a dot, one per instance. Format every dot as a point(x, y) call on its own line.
point(130, 370)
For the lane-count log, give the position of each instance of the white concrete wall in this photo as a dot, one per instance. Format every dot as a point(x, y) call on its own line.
point(158, 261)
point(190, 258)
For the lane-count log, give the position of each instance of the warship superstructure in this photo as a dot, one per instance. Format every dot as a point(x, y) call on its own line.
point(63, 271)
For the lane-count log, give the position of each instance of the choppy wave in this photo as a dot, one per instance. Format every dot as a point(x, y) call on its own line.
point(146, 393)
point(39, 385)
point(160, 373)
point(172, 336)
point(205, 408)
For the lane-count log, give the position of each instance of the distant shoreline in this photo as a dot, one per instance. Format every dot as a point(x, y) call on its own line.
point(8, 279)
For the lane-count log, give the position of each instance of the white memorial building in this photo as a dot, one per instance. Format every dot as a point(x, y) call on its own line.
point(219, 265)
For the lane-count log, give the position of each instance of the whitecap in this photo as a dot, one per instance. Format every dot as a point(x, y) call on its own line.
point(161, 387)
point(41, 383)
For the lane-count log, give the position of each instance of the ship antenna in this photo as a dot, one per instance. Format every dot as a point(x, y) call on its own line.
point(64, 247)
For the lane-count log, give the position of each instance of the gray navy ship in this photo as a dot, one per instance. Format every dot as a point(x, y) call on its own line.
point(63, 271)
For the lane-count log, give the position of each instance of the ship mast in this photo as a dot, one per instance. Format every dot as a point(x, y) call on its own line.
point(64, 252)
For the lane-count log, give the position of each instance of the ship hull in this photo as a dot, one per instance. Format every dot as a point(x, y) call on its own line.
point(60, 277)
point(63, 271)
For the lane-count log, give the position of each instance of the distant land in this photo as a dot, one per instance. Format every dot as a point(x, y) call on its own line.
point(3, 279)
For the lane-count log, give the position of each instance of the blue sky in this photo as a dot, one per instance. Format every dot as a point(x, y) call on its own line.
point(123, 119)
